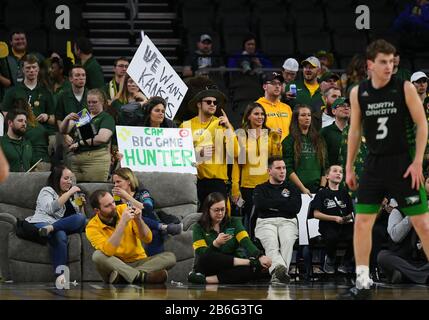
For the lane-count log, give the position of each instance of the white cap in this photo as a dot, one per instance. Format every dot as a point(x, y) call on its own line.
point(313, 61)
point(291, 65)
point(418, 75)
point(392, 203)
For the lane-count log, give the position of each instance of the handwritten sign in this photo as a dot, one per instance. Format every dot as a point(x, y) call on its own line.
point(155, 76)
point(148, 149)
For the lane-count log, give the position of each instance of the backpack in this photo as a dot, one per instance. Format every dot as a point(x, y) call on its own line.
point(132, 114)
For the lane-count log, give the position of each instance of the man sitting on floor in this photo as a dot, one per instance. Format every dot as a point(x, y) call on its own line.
point(116, 233)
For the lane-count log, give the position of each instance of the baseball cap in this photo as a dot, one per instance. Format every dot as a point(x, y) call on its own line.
point(313, 61)
point(205, 37)
point(339, 101)
point(273, 75)
point(291, 65)
point(329, 75)
point(418, 75)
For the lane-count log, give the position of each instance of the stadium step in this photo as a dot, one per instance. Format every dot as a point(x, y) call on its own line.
point(109, 29)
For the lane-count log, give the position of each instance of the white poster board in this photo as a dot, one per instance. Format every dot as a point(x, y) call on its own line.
point(313, 224)
point(156, 149)
point(156, 77)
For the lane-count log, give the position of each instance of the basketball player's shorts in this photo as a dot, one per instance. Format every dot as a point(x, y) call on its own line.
point(383, 177)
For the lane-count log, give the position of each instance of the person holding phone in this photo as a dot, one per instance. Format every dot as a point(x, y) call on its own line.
point(127, 190)
point(216, 240)
point(58, 216)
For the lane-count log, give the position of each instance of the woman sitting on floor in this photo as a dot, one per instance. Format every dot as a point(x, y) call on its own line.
point(216, 240)
point(58, 216)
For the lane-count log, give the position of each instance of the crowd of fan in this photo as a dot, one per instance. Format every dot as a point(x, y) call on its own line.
point(297, 130)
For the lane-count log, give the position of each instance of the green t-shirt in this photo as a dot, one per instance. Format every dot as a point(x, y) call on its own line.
point(203, 241)
point(102, 121)
point(332, 135)
point(40, 99)
point(308, 170)
point(67, 103)
point(19, 153)
point(94, 74)
point(39, 138)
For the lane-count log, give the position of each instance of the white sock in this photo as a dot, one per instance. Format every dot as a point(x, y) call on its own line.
point(363, 281)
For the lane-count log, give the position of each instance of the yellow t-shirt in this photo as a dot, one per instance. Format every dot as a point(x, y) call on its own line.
point(279, 115)
point(254, 170)
point(130, 248)
point(311, 87)
point(225, 142)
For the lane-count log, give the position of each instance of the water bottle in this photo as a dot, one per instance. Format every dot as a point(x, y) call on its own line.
point(292, 89)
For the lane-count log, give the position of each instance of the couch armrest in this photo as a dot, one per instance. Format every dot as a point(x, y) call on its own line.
point(7, 225)
point(7, 217)
point(190, 219)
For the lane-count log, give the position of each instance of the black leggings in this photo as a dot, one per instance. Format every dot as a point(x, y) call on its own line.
point(222, 265)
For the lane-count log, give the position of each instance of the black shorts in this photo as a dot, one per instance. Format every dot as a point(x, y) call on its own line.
point(383, 177)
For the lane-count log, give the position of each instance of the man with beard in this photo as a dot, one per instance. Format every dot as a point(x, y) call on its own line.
point(333, 133)
point(329, 96)
point(36, 95)
point(307, 90)
point(279, 114)
point(17, 149)
point(214, 140)
point(117, 233)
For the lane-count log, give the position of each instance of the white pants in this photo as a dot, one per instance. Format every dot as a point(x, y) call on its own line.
point(277, 235)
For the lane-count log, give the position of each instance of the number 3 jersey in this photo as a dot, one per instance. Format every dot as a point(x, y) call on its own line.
point(387, 124)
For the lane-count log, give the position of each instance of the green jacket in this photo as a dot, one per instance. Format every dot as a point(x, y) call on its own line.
point(303, 96)
point(203, 241)
point(308, 169)
point(332, 135)
point(67, 103)
point(19, 153)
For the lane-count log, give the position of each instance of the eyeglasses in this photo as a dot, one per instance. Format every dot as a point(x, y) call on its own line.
point(209, 102)
point(122, 65)
point(217, 210)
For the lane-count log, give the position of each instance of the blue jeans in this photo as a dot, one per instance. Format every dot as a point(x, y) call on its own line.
point(57, 239)
point(157, 244)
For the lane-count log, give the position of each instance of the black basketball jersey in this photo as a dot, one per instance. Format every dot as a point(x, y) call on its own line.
point(387, 124)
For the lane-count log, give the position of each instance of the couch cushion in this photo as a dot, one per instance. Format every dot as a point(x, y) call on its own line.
point(170, 189)
point(28, 251)
point(180, 245)
point(22, 189)
point(16, 211)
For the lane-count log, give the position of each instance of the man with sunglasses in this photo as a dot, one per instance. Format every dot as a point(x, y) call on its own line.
point(420, 80)
point(279, 114)
point(214, 142)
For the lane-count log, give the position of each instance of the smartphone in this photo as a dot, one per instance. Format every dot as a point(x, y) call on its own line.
point(230, 231)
